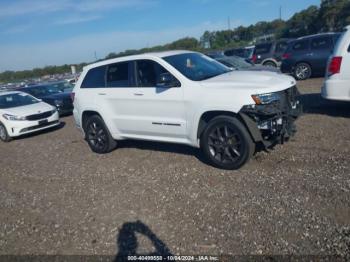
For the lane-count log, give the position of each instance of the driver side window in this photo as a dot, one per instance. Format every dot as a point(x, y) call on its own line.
point(149, 72)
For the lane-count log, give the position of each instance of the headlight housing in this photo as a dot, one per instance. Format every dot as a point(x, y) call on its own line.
point(13, 117)
point(263, 99)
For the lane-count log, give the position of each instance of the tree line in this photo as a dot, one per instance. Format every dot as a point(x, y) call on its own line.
point(331, 15)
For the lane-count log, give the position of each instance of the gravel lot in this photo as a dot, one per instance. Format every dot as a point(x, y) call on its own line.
point(57, 197)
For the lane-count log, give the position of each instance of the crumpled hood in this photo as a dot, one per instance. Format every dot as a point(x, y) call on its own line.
point(254, 81)
point(33, 109)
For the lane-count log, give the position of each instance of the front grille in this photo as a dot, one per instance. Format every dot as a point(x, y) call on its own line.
point(38, 126)
point(39, 116)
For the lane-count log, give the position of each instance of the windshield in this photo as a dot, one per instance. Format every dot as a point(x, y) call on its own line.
point(196, 67)
point(41, 91)
point(16, 99)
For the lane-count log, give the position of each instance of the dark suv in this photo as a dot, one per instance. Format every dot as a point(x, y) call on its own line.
point(307, 56)
point(270, 54)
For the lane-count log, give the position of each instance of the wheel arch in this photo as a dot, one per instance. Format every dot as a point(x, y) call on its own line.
point(270, 60)
point(205, 118)
point(85, 116)
point(247, 122)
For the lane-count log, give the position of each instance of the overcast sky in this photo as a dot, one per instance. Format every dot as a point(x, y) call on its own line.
point(35, 33)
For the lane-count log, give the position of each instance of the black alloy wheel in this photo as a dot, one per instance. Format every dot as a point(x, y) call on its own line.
point(226, 143)
point(98, 136)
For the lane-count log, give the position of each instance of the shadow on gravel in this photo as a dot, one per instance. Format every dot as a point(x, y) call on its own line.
point(164, 147)
point(315, 104)
point(128, 244)
point(38, 133)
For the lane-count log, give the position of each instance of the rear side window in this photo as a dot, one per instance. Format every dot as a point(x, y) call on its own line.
point(281, 47)
point(118, 75)
point(263, 49)
point(95, 78)
point(301, 45)
point(324, 42)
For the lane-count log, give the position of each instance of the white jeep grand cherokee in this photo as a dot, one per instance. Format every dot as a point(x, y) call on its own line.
point(185, 97)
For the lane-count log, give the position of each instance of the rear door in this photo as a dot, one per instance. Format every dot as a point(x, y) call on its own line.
point(321, 49)
point(116, 100)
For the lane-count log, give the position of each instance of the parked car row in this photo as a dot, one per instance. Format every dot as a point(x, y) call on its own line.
point(56, 94)
point(227, 109)
point(302, 57)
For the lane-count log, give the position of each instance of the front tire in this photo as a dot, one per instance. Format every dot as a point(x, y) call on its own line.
point(302, 71)
point(4, 136)
point(226, 143)
point(98, 136)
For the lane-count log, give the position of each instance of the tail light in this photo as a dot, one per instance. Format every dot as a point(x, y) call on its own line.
point(286, 55)
point(254, 58)
point(72, 96)
point(335, 65)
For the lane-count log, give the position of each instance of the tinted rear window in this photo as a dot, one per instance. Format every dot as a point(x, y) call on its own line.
point(301, 45)
point(324, 42)
point(263, 48)
point(95, 78)
point(118, 75)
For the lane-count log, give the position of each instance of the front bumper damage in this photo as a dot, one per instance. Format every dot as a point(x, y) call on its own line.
point(273, 123)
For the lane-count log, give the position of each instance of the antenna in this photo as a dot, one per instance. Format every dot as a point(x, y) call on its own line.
point(280, 12)
point(95, 55)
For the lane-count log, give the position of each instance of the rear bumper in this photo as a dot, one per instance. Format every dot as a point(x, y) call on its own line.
point(273, 123)
point(336, 89)
point(64, 110)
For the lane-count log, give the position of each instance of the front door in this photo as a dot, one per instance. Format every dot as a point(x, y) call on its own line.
point(160, 109)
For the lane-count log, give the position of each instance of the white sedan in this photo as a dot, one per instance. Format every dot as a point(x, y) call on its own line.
point(21, 114)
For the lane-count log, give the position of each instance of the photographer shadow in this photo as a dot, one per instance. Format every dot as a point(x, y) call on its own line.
point(127, 241)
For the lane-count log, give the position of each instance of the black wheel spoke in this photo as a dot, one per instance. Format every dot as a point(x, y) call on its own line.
point(96, 135)
point(224, 144)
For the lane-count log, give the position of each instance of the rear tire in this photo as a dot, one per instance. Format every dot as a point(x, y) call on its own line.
point(226, 143)
point(302, 71)
point(4, 136)
point(98, 136)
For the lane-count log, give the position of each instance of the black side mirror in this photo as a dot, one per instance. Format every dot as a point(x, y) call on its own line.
point(166, 80)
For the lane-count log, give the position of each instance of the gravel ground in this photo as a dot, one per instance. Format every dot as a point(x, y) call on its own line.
point(57, 197)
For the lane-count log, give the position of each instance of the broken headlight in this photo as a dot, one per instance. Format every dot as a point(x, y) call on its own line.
point(267, 98)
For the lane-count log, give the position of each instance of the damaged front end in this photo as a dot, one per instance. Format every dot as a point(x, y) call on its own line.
point(271, 120)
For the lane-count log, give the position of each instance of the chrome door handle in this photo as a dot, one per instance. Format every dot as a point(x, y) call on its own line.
point(138, 94)
point(101, 94)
